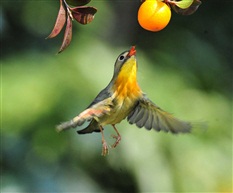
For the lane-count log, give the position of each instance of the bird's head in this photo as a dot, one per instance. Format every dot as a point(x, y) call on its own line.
point(124, 81)
point(126, 64)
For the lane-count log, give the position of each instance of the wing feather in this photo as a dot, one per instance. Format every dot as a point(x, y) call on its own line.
point(149, 115)
point(143, 117)
point(139, 115)
point(93, 112)
point(149, 122)
point(133, 114)
point(92, 127)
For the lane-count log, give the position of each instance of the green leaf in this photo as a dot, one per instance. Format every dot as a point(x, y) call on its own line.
point(183, 4)
point(190, 10)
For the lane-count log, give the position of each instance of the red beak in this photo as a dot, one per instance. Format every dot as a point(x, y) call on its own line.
point(132, 51)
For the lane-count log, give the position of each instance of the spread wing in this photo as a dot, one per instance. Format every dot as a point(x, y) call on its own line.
point(96, 110)
point(147, 114)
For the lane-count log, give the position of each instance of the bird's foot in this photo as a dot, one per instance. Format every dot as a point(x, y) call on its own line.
point(104, 148)
point(118, 139)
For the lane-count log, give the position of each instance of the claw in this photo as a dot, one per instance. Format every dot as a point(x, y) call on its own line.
point(118, 139)
point(104, 148)
point(104, 143)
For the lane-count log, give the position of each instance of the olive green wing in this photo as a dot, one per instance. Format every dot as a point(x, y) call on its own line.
point(149, 115)
point(95, 111)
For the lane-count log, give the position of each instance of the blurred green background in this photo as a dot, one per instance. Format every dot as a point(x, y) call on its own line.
point(186, 69)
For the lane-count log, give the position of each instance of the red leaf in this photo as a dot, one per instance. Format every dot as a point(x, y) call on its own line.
point(67, 36)
point(60, 22)
point(78, 2)
point(83, 14)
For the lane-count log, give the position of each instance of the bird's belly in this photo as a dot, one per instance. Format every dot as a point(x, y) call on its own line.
point(117, 113)
point(124, 98)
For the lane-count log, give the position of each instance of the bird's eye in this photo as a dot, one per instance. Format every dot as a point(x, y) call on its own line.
point(121, 58)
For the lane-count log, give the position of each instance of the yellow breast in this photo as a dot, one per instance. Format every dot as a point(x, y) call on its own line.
point(126, 92)
point(126, 85)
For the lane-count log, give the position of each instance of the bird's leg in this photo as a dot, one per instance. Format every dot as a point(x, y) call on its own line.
point(117, 137)
point(104, 143)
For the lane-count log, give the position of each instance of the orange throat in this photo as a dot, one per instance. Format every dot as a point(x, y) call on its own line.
point(126, 85)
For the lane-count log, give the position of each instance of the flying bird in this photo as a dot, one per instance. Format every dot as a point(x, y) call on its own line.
point(123, 98)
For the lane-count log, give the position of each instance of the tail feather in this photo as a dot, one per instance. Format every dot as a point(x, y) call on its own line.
point(96, 111)
point(70, 124)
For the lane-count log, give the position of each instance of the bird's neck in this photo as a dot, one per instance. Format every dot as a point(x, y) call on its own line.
point(125, 85)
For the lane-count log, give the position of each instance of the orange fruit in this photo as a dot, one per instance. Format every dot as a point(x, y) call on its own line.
point(154, 15)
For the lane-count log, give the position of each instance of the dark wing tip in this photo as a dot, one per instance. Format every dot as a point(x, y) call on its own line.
point(92, 127)
point(147, 114)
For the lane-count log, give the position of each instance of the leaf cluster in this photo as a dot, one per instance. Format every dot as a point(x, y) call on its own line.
point(66, 14)
point(85, 14)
